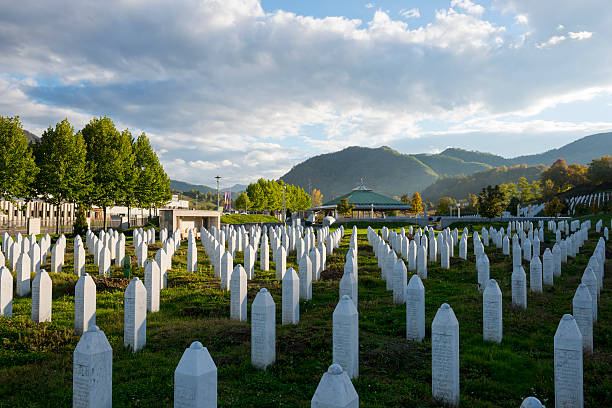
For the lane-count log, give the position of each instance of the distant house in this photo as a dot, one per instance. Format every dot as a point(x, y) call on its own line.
point(365, 201)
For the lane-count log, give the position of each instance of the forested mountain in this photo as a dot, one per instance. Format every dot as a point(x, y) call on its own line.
point(458, 187)
point(393, 173)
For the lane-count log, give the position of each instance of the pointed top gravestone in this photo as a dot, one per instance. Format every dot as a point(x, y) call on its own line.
point(345, 323)
point(445, 356)
point(335, 390)
point(263, 330)
point(195, 379)
point(92, 384)
point(568, 364)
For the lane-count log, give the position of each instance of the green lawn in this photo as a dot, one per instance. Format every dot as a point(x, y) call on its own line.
point(36, 359)
point(246, 218)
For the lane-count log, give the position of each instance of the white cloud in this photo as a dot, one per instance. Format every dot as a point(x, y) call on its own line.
point(228, 86)
point(582, 35)
point(560, 27)
point(369, 5)
point(521, 19)
point(468, 6)
point(554, 40)
point(410, 13)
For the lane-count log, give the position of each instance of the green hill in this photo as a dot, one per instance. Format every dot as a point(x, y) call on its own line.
point(394, 174)
point(382, 169)
point(184, 186)
point(458, 187)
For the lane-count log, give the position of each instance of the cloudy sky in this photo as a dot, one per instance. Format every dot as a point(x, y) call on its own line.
point(248, 88)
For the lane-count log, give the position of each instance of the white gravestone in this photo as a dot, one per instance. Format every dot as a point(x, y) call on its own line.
point(445, 356)
point(535, 275)
point(519, 288)
point(415, 309)
point(335, 390)
point(135, 315)
point(84, 304)
point(589, 279)
point(152, 284)
point(35, 257)
point(92, 371)
point(192, 255)
point(41, 297)
point(583, 313)
point(346, 336)
point(290, 298)
point(483, 267)
point(238, 294)
point(531, 402)
point(225, 271)
point(548, 268)
point(281, 263)
point(348, 284)
point(264, 255)
point(492, 326)
point(249, 261)
point(305, 268)
point(195, 379)
point(263, 330)
point(568, 364)
point(24, 271)
point(422, 262)
point(400, 275)
point(6, 292)
point(105, 262)
point(141, 253)
point(79, 259)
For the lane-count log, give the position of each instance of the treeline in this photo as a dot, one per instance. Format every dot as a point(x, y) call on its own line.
point(98, 165)
point(462, 186)
point(267, 195)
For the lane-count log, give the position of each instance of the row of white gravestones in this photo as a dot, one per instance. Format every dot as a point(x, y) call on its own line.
point(195, 378)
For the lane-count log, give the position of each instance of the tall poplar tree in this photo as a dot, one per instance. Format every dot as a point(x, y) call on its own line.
point(64, 175)
point(109, 153)
point(17, 166)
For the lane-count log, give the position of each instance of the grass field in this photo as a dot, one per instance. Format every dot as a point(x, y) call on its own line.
point(247, 218)
point(36, 359)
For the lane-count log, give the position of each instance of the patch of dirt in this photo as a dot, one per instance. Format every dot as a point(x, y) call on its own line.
point(332, 273)
point(108, 284)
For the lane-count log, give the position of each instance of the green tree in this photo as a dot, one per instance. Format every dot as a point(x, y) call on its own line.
point(242, 202)
point(344, 208)
point(255, 193)
point(17, 166)
point(151, 182)
point(416, 204)
point(64, 175)
point(108, 152)
point(558, 174)
point(491, 202)
point(128, 197)
point(600, 170)
point(444, 206)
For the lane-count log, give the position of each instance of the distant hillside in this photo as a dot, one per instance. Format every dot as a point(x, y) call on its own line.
point(30, 136)
point(477, 157)
point(383, 169)
point(392, 173)
point(458, 187)
point(581, 151)
point(184, 186)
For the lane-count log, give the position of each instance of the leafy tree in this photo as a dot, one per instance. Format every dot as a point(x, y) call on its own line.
point(577, 174)
point(490, 202)
point(17, 166)
point(316, 197)
point(151, 182)
point(600, 170)
point(255, 193)
point(558, 173)
point(64, 174)
point(444, 206)
point(242, 202)
point(554, 207)
point(416, 204)
point(108, 153)
point(344, 208)
point(130, 172)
